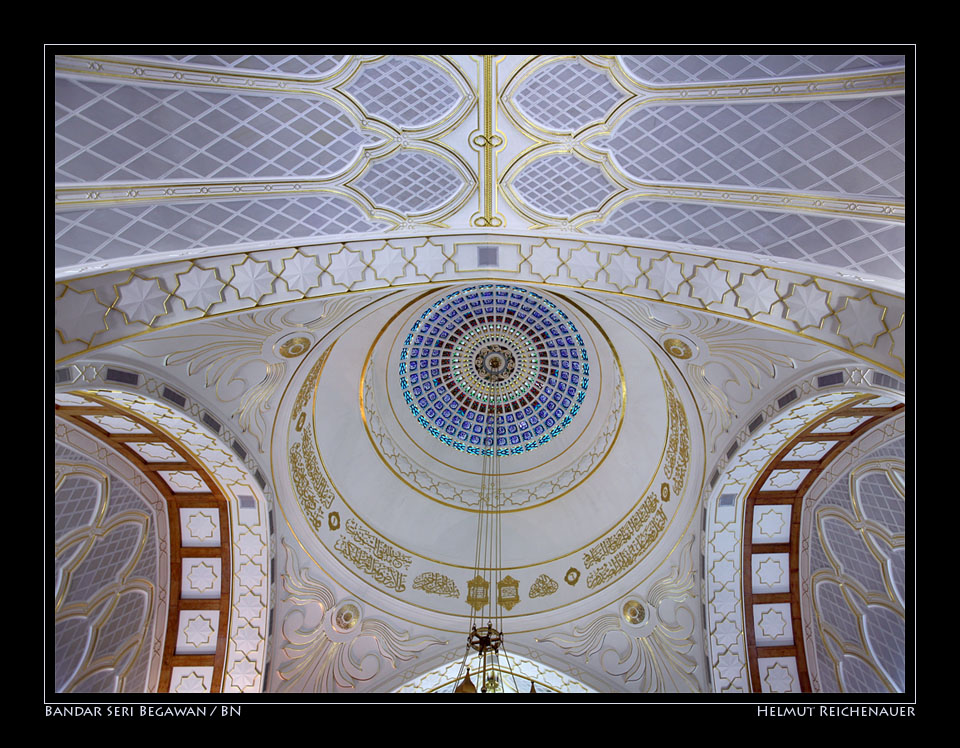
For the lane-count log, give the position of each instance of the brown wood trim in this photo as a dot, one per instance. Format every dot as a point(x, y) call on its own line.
point(771, 597)
point(799, 464)
point(771, 497)
point(786, 650)
point(762, 499)
point(755, 498)
point(200, 603)
point(212, 499)
point(152, 437)
point(854, 410)
point(200, 551)
point(759, 547)
point(197, 500)
point(153, 466)
point(193, 660)
point(82, 410)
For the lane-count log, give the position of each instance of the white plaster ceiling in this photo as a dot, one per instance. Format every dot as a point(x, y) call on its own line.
point(360, 172)
point(793, 157)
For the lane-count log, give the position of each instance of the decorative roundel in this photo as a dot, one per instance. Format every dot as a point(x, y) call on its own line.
point(494, 365)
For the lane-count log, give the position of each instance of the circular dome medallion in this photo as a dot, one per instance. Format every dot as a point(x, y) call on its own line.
point(494, 366)
point(495, 363)
point(634, 612)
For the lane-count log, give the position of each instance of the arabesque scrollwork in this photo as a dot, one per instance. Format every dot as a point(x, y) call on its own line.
point(319, 657)
point(662, 658)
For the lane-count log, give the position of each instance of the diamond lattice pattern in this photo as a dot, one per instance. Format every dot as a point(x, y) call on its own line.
point(866, 246)
point(102, 625)
point(410, 182)
point(562, 185)
point(872, 625)
point(880, 502)
point(118, 132)
point(404, 91)
point(565, 96)
point(77, 500)
point(707, 68)
point(852, 147)
point(112, 233)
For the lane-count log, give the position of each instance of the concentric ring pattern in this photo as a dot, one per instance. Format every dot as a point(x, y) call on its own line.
point(494, 365)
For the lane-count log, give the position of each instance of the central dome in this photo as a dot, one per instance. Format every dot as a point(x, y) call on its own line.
point(494, 366)
point(583, 501)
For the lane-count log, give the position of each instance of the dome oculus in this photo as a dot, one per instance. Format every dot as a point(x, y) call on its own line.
point(494, 366)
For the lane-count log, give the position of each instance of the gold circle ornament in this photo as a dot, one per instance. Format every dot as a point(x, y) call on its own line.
point(295, 346)
point(347, 617)
point(633, 612)
point(677, 348)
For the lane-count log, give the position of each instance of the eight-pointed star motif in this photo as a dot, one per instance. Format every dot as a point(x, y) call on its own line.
point(243, 673)
point(252, 279)
point(769, 572)
point(142, 300)
point(710, 284)
point(346, 266)
point(770, 523)
point(807, 305)
point(729, 665)
point(202, 577)
point(861, 321)
point(665, 276)
point(198, 631)
point(201, 527)
point(80, 312)
point(757, 293)
point(248, 638)
point(622, 270)
point(544, 261)
point(190, 683)
point(389, 263)
point(251, 576)
point(772, 624)
point(301, 273)
point(430, 260)
point(582, 265)
point(779, 678)
point(199, 288)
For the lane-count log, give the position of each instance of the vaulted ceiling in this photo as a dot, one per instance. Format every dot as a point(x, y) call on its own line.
point(252, 251)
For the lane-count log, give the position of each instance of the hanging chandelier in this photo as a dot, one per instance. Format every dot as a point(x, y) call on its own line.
point(489, 592)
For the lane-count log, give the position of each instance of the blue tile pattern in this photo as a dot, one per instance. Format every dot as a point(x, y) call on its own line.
point(446, 392)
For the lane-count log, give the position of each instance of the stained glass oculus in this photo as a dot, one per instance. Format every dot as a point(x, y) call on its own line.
point(494, 366)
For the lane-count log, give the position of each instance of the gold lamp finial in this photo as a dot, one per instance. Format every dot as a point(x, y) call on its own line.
point(466, 686)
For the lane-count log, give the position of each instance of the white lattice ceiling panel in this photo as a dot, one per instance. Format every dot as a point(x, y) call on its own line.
point(108, 562)
point(76, 503)
point(562, 185)
point(855, 555)
point(881, 503)
point(411, 182)
point(675, 69)
point(851, 147)
point(566, 95)
point(128, 231)
point(866, 246)
point(125, 627)
point(405, 91)
point(125, 133)
point(176, 153)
